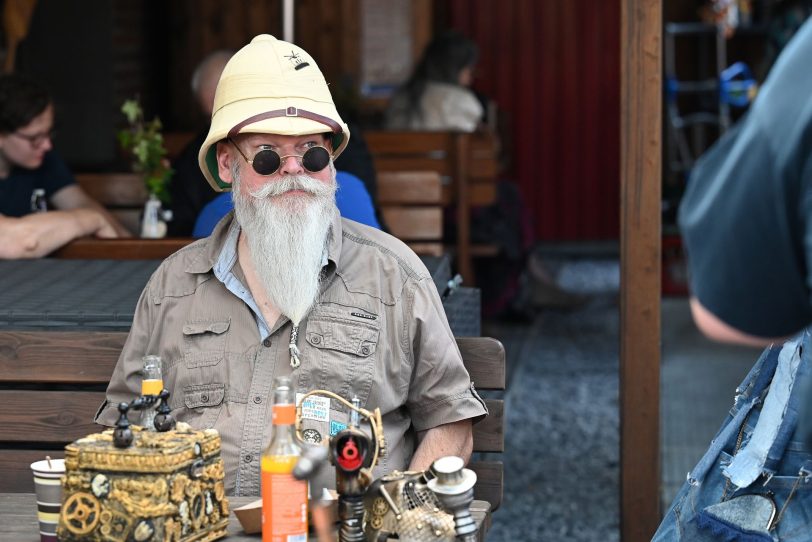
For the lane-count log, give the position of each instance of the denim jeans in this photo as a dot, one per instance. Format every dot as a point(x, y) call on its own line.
point(707, 484)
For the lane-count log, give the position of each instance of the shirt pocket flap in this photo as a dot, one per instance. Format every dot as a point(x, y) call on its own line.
point(350, 338)
point(196, 328)
point(204, 396)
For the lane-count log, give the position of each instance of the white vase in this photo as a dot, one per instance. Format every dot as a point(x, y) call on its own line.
point(152, 225)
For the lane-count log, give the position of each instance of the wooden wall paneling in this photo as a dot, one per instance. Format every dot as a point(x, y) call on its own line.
point(199, 27)
point(640, 158)
point(552, 69)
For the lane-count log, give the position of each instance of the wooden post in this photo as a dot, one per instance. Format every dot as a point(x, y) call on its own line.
point(640, 177)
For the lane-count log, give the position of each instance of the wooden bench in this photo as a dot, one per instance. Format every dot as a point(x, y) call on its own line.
point(467, 164)
point(52, 383)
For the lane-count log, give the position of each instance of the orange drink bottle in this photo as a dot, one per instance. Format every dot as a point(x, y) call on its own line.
point(151, 384)
point(284, 499)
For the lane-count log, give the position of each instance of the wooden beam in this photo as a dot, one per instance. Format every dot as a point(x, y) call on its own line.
point(640, 159)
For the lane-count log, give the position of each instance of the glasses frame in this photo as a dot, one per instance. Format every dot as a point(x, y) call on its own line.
point(282, 158)
point(36, 140)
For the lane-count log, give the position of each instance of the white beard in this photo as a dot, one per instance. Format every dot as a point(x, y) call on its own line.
point(287, 237)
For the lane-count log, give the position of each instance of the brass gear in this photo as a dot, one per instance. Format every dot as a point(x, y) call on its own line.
point(81, 512)
point(379, 506)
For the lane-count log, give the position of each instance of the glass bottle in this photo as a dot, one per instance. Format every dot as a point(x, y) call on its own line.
point(284, 499)
point(151, 384)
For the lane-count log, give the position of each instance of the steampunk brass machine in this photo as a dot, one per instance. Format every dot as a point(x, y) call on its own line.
point(129, 484)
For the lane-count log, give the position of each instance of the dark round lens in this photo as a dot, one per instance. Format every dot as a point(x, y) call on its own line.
point(315, 159)
point(266, 162)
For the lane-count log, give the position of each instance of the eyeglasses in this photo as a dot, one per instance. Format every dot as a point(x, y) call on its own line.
point(268, 161)
point(36, 139)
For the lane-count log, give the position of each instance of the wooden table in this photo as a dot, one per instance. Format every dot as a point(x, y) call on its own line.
point(18, 518)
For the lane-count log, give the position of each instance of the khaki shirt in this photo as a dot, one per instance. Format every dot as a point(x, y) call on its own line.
point(378, 331)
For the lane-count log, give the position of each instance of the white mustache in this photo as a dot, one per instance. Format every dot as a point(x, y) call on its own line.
point(294, 182)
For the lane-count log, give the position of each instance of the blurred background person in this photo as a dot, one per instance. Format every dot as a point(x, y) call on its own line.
point(437, 97)
point(34, 179)
point(189, 191)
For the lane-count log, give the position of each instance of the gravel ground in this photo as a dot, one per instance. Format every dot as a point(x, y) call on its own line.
point(562, 440)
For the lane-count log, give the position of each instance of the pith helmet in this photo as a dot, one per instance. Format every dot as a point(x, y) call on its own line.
point(273, 87)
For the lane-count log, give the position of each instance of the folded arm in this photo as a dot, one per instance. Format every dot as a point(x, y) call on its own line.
point(38, 234)
point(454, 438)
point(73, 197)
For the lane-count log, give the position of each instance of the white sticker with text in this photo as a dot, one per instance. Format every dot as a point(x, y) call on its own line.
point(315, 407)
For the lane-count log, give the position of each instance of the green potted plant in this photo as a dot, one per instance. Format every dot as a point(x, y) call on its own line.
point(144, 141)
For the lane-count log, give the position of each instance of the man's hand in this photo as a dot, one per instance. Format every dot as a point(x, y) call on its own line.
point(454, 438)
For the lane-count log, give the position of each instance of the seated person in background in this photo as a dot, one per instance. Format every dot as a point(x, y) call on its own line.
point(188, 190)
point(438, 97)
point(352, 200)
point(285, 286)
point(28, 163)
point(193, 211)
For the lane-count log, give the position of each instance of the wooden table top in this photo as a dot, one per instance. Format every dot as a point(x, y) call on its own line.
point(18, 518)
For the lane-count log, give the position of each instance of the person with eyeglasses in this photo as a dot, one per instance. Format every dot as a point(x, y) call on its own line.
point(30, 167)
point(286, 286)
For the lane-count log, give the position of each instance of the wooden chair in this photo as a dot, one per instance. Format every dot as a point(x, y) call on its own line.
point(52, 383)
point(410, 202)
point(467, 164)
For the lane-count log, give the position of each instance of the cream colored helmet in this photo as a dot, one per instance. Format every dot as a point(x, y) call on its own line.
point(272, 87)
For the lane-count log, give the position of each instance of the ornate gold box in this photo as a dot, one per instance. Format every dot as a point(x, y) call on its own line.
point(164, 487)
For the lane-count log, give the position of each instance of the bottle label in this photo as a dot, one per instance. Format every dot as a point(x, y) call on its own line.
point(284, 414)
point(284, 501)
point(151, 387)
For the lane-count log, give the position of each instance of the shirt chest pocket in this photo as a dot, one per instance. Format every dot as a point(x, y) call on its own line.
point(204, 343)
point(344, 356)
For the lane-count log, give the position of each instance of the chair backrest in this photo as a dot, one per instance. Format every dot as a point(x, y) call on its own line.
point(467, 164)
point(410, 202)
point(52, 383)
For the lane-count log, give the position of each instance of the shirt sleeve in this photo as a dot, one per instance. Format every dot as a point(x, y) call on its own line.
point(353, 200)
point(744, 233)
point(54, 174)
point(440, 390)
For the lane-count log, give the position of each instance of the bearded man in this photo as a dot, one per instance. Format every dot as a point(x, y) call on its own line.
point(285, 286)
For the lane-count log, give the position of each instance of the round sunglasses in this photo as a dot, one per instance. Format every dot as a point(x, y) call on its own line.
point(268, 161)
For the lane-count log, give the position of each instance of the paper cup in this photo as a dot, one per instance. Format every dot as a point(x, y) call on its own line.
point(48, 486)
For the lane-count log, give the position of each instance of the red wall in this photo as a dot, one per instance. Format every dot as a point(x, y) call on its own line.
point(554, 67)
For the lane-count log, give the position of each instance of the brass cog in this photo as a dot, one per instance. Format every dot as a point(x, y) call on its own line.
point(81, 512)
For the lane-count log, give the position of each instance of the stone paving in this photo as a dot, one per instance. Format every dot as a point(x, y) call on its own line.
point(561, 459)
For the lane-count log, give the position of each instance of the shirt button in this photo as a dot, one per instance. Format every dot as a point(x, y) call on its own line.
point(204, 398)
point(266, 343)
point(257, 399)
point(365, 350)
point(248, 458)
point(316, 339)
